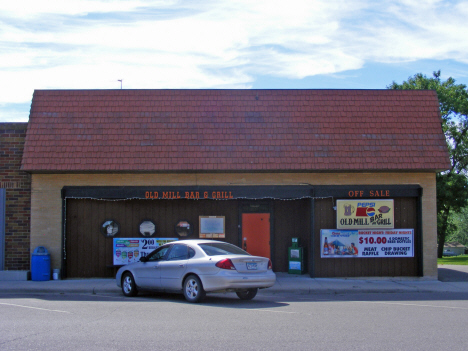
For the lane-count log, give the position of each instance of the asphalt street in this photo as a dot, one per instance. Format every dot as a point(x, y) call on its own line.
point(300, 313)
point(363, 321)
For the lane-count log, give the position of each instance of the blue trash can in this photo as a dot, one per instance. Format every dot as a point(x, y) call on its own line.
point(40, 264)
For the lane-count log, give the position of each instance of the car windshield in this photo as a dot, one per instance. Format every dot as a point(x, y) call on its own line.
point(215, 249)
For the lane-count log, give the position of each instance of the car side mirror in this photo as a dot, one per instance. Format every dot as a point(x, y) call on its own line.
point(143, 259)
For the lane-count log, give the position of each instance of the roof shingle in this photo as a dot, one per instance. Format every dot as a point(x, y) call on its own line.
point(234, 130)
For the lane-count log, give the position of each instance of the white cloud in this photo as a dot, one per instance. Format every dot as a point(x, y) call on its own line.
point(35, 8)
point(412, 30)
point(207, 44)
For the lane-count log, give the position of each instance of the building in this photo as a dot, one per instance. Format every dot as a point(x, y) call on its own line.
point(351, 173)
point(454, 249)
point(15, 200)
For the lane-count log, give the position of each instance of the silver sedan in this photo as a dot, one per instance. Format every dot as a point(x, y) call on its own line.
point(195, 267)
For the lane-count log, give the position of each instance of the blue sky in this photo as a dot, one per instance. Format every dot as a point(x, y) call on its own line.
point(218, 44)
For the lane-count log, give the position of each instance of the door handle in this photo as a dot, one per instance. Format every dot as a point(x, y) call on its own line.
point(181, 265)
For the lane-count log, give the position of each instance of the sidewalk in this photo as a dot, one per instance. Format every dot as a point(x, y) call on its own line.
point(293, 284)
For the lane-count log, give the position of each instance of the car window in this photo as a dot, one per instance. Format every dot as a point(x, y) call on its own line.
point(178, 252)
point(191, 252)
point(215, 249)
point(159, 253)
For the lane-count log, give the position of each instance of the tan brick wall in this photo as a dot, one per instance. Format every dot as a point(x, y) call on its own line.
point(47, 203)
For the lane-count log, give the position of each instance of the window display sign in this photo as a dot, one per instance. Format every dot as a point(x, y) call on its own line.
point(212, 227)
point(360, 214)
point(366, 243)
point(128, 250)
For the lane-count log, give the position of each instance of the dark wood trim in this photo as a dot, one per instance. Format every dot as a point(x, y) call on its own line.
point(247, 192)
point(367, 191)
point(264, 196)
point(227, 192)
point(407, 216)
point(63, 266)
point(272, 230)
point(312, 239)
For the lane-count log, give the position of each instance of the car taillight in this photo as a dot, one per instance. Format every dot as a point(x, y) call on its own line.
point(270, 266)
point(225, 264)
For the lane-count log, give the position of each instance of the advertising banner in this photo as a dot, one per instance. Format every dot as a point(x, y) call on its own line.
point(362, 214)
point(128, 250)
point(337, 243)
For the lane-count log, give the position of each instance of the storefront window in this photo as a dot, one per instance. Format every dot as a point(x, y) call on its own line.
point(110, 228)
point(147, 228)
point(184, 228)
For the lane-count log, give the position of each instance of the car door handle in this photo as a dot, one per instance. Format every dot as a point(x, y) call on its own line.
point(181, 265)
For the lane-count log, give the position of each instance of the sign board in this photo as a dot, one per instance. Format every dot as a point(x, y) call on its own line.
point(360, 214)
point(337, 243)
point(212, 227)
point(128, 250)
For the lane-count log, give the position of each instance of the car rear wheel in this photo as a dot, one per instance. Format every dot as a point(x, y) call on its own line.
point(128, 285)
point(248, 294)
point(193, 289)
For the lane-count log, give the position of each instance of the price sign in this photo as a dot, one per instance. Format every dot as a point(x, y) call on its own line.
point(386, 243)
point(128, 250)
point(367, 243)
point(371, 240)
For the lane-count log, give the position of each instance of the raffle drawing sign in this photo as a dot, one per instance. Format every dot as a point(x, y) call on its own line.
point(367, 243)
point(128, 250)
point(358, 214)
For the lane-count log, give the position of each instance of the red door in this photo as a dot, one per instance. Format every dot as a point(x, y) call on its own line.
point(256, 233)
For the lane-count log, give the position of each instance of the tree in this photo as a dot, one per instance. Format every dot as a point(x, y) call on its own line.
point(452, 185)
point(459, 221)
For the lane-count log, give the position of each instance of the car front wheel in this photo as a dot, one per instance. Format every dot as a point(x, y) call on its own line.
point(248, 294)
point(193, 289)
point(128, 285)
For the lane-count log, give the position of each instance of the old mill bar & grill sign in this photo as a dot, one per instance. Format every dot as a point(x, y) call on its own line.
point(361, 214)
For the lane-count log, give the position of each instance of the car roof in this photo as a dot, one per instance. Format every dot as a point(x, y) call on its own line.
point(198, 241)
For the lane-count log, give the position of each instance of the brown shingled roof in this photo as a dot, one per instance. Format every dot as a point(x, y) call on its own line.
point(453, 244)
point(234, 130)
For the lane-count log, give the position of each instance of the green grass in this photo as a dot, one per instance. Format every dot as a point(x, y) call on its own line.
point(461, 260)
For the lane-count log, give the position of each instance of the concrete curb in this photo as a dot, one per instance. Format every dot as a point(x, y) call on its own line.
point(285, 284)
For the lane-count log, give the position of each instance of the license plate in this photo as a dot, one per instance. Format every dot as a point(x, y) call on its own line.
point(251, 266)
